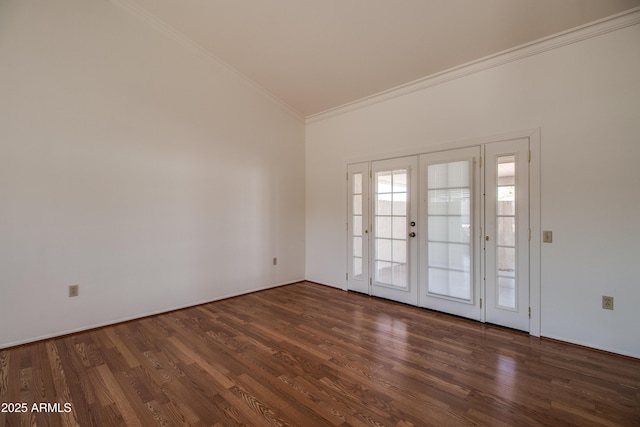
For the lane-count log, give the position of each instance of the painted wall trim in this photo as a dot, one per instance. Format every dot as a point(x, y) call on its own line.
point(446, 146)
point(590, 345)
point(159, 25)
point(593, 29)
point(140, 316)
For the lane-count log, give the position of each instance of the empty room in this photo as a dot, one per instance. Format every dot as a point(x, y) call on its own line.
point(319, 213)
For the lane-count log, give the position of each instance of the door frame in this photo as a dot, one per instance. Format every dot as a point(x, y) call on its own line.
point(408, 295)
point(534, 136)
point(470, 309)
point(517, 317)
point(354, 283)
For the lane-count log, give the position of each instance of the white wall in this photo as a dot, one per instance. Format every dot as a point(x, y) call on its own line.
point(585, 98)
point(146, 173)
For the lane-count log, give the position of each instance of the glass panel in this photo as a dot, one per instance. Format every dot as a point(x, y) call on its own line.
point(400, 251)
point(454, 284)
point(449, 202)
point(400, 204)
point(383, 204)
point(383, 249)
point(383, 182)
point(391, 227)
point(506, 231)
point(507, 207)
point(383, 272)
point(357, 246)
point(452, 256)
point(357, 183)
point(400, 181)
point(458, 201)
point(438, 202)
point(449, 229)
point(399, 227)
point(506, 261)
point(400, 275)
point(506, 185)
point(383, 227)
point(357, 225)
point(506, 170)
point(458, 174)
point(447, 175)
point(438, 281)
point(507, 292)
point(357, 268)
point(357, 205)
point(437, 176)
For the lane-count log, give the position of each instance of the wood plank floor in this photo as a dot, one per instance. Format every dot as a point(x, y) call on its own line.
point(309, 355)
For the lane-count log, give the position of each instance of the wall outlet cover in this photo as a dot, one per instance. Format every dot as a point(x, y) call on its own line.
point(73, 290)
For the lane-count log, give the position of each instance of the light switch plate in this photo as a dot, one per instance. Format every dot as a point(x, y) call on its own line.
point(547, 236)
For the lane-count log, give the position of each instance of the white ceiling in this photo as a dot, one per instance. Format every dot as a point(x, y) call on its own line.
point(316, 55)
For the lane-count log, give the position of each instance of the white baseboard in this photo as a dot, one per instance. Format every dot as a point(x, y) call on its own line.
point(140, 316)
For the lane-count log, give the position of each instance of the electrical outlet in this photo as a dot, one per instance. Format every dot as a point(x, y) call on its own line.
point(607, 303)
point(275, 261)
point(73, 290)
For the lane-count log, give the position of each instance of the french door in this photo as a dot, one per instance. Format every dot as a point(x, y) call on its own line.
point(358, 227)
point(507, 233)
point(393, 238)
point(449, 232)
point(445, 231)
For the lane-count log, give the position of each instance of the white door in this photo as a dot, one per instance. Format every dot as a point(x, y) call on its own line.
point(358, 227)
point(507, 233)
point(450, 232)
point(393, 236)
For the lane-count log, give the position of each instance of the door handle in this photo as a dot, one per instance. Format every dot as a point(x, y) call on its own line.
point(412, 234)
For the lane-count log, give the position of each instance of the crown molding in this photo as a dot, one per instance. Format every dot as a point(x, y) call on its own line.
point(143, 15)
point(574, 35)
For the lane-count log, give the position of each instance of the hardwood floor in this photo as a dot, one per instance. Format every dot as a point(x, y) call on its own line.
point(309, 355)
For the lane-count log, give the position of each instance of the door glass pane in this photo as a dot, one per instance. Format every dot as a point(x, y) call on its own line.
point(383, 272)
point(400, 274)
point(506, 231)
point(383, 204)
point(446, 282)
point(357, 246)
point(449, 229)
point(399, 249)
point(357, 183)
point(390, 218)
point(400, 181)
point(506, 292)
point(357, 204)
point(383, 249)
point(445, 228)
point(399, 227)
point(452, 256)
point(357, 225)
point(356, 221)
point(357, 267)
point(400, 204)
point(383, 227)
point(449, 175)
